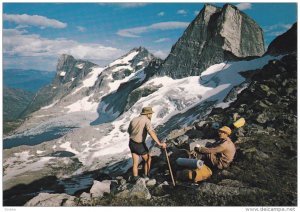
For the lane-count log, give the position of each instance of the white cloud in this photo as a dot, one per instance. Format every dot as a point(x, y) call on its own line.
point(161, 14)
point(34, 20)
point(132, 5)
point(39, 63)
point(196, 12)
point(81, 29)
point(276, 30)
point(277, 27)
point(21, 44)
point(182, 12)
point(244, 6)
point(135, 32)
point(21, 26)
point(162, 40)
point(277, 33)
point(161, 54)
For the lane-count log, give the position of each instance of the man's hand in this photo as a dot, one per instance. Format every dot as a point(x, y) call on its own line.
point(194, 154)
point(163, 145)
point(197, 149)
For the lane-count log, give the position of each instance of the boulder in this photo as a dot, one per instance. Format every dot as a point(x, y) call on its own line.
point(52, 200)
point(151, 183)
point(253, 153)
point(85, 198)
point(139, 190)
point(182, 139)
point(160, 189)
point(226, 173)
point(225, 194)
point(99, 188)
point(262, 118)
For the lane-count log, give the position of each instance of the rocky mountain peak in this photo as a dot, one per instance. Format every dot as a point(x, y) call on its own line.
point(215, 35)
point(69, 74)
point(139, 49)
point(63, 60)
point(230, 6)
point(136, 57)
point(209, 7)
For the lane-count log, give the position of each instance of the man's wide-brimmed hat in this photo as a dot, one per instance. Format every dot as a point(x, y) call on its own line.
point(225, 129)
point(147, 110)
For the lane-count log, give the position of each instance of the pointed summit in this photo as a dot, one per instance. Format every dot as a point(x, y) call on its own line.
point(215, 35)
point(134, 57)
point(63, 61)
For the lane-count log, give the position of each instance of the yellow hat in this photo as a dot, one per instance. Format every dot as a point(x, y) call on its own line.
point(226, 130)
point(147, 110)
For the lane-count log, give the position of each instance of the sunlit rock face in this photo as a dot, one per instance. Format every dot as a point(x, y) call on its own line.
point(216, 35)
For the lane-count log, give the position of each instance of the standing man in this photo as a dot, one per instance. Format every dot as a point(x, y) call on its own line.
point(222, 152)
point(138, 129)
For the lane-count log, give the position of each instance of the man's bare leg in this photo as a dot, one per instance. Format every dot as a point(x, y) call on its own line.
point(135, 161)
point(147, 165)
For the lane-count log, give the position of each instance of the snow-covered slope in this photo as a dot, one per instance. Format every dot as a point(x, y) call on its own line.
point(80, 106)
point(177, 102)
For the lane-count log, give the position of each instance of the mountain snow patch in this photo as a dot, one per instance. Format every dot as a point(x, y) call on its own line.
point(90, 79)
point(80, 66)
point(62, 74)
point(124, 60)
point(83, 105)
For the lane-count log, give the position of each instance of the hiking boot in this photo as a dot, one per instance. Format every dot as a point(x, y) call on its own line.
point(133, 179)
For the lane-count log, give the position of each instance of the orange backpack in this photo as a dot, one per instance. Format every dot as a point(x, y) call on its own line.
point(195, 175)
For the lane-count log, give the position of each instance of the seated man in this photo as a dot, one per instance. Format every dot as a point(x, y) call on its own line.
point(222, 152)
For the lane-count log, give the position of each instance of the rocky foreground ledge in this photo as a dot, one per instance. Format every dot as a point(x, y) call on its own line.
point(147, 192)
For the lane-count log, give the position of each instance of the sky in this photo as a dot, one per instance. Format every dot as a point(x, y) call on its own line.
point(36, 34)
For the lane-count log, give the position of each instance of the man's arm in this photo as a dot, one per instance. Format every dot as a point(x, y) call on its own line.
point(212, 150)
point(155, 138)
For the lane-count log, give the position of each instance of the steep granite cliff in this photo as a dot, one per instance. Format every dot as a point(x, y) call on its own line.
point(216, 35)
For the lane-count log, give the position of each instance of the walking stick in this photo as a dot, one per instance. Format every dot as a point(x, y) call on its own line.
point(170, 167)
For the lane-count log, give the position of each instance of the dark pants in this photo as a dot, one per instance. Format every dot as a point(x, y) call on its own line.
point(138, 148)
point(211, 160)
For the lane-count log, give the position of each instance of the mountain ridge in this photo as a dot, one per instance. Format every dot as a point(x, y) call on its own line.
point(30, 80)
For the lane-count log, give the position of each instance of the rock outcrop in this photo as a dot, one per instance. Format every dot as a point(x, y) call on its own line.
point(99, 188)
point(216, 35)
point(52, 200)
point(142, 62)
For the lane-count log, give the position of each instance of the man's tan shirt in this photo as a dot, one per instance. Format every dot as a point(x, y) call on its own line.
point(225, 150)
point(139, 127)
